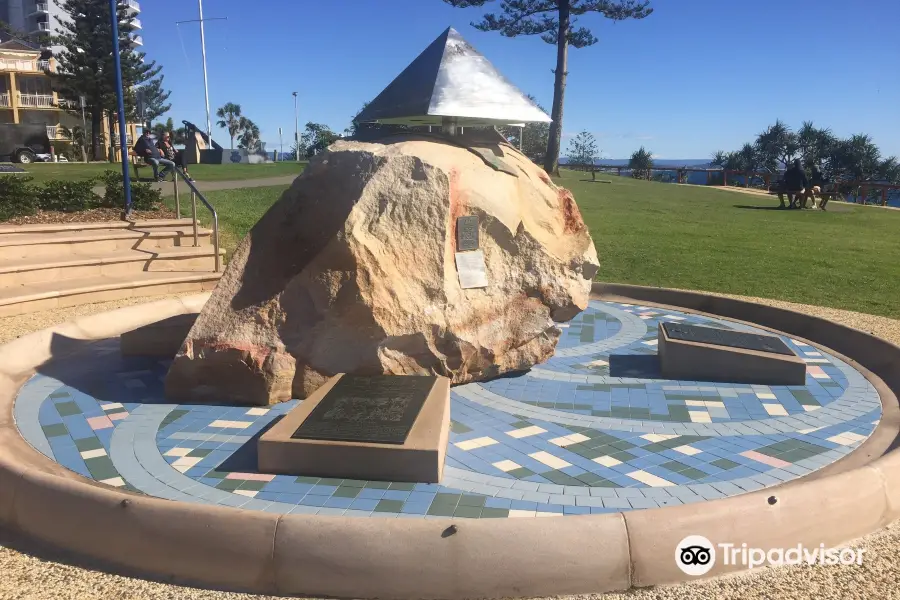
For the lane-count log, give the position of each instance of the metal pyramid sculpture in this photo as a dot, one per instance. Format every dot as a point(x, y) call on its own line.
point(451, 83)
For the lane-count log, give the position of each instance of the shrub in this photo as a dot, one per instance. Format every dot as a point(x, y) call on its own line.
point(143, 195)
point(17, 198)
point(67, 196)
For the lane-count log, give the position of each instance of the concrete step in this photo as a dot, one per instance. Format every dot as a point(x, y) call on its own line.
point(69, 227)
point(94, 241)
point(47, 295)
point(25, 271)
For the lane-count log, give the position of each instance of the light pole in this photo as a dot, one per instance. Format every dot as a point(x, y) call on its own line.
point(296, 127)
point(280, 144)
point(120, 98)
point(205, 81)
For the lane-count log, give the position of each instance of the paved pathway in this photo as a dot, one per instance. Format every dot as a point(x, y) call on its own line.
point(211, 186)
point(569, 437)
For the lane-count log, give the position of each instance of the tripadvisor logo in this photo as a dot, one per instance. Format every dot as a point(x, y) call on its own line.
point(695, 555)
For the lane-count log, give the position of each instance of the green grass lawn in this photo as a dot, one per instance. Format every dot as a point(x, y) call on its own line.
point(42, 172)
point(690, 237)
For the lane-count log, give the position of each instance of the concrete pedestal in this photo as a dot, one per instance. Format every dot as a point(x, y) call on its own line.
point(419, 459)
point(695, 361)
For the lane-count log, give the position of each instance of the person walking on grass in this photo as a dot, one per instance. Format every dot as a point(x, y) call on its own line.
point(146, 149)
point(176, 156)
point(795, 185)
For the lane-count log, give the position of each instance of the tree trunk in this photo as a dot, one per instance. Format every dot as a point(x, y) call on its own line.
point(551, 159)
point(96, 128)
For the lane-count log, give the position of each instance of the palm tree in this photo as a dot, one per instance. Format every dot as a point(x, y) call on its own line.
point(640, 164)
point(230, 119)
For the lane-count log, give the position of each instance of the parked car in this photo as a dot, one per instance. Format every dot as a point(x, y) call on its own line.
point(49, 158)
point(22, 143)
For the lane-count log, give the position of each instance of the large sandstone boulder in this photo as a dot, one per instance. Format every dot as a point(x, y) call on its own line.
point(353, 271)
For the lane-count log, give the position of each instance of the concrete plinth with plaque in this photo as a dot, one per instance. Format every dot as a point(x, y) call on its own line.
point(697, 353)
point(378, 428)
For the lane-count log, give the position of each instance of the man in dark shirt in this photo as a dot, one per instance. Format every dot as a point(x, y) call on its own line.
point(795, 184)
point(146, 149)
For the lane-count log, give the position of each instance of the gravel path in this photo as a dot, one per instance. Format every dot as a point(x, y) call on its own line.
point(24, 576)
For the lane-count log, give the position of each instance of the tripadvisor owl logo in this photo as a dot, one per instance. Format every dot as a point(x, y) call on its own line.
point(695, 555)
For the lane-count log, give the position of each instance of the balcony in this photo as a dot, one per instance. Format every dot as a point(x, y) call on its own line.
point(136, 23)
point(55, 132)
point(132, 4)
point(43, 65)
point(41, 28)
point(35, 101)
point(4, 100)
point(40, 8)
point(18, 64)
point(137, 40)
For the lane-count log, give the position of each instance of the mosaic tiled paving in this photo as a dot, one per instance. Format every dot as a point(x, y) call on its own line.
point(593, 430)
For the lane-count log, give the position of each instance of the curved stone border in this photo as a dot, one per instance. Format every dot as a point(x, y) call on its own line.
point(258, 552)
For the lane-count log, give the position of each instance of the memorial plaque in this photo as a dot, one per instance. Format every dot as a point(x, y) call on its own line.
point(380, 409)
point(466, 234)
point(471, 269)
point(726, 337)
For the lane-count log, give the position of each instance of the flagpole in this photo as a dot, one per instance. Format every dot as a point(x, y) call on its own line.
point(205, 80)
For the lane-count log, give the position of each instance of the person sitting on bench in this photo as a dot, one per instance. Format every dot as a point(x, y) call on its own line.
point(177, 156)
point(795, 184)
point(146, 149)
point(817, 185)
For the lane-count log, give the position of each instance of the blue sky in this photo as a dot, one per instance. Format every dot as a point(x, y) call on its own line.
point(694, 77)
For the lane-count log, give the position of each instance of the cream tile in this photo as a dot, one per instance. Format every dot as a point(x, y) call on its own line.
point(687, 449)
point(550, 460)
point(257, 412)
point(658, 437)
point(766, 396)
point(699, 417)
point(93, 453)
point(516, 514)
point(114, 482)
point(186, 462)
point(231, 424)
point(177, 451)
point(607, 461)
point(248, 493)
point(649, 479)
point(775, 410)
point(507, 465)
point(112, 406)
point(526, 432)
point(694, 403)
point(811, 408)
point(475, 443)
point(568, 440)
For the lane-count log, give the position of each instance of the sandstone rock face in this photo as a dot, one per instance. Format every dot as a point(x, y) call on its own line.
point(353, 271)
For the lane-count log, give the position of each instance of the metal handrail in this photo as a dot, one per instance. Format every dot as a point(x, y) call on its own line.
point(215, 216)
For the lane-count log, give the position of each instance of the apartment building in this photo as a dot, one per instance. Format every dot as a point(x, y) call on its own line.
point(44, 16)
point(26, 96)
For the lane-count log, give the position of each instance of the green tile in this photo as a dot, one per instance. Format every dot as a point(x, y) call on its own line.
point(347, 492)
point(172, 417)
point(86, 444)
point(470, 512)
point(60, 395)
point(459, 427)
point(805, 398)
point(391, 506)
point(587, 333)
point(229, 485)
point(309, 480)
point(441, 510)
point(101, 468)
point(594, 480)
point(67, 409)
point(330, 481)
point(199, 453)
point(545, 404)
point(467, 500)
point(587, 318)
point(378, 485)
point(251, 486)
point(683, 469)
point(403, 487)
point(494, 513)
point(630, 412)
point(520, 473)
point(560, 478)
point(679, 413)
point(622, 445)
point(521, 424)
point(724, 463)
point(583, 407)
point(623, 456)
point(357, 483)
point(55, 430)
point(216, 474)
point(444, 499)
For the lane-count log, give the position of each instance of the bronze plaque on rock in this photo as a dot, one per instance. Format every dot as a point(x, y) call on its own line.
point(466, 234)
point(726, 337)
point(380, 409)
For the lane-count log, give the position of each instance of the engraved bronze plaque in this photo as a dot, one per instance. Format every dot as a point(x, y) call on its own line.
point(380, 409)
point(466, 234)
point(726, 337)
